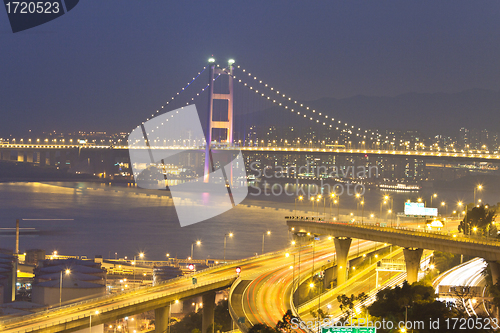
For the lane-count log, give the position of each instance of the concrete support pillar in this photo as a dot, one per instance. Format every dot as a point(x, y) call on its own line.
point(412, 259)
point(342, 246)
point(208, 311)
point(161, 319)
point(495, 271)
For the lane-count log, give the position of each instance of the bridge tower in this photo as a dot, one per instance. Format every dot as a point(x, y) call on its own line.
point(227, 122)
point(223, 124)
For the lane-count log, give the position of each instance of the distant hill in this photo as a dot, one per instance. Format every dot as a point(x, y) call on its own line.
point(443, 113)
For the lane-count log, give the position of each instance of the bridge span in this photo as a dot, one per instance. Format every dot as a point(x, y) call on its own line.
point(412, 240)
point(470, 155)
point(96, 311)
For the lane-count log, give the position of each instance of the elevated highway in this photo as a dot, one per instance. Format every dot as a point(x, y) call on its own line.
point(412, 240)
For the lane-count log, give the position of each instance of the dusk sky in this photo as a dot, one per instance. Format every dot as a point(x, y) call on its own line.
point(108, 64)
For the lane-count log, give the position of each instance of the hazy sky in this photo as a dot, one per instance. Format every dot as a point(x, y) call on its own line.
point(107, 64)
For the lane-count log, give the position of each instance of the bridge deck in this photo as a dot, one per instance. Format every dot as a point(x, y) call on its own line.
point(488, 249)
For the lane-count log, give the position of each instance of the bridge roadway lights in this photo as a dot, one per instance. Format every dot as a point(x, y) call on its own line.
point(412, 259)
point(208, 311)
point(161, 319)
point(342, 245)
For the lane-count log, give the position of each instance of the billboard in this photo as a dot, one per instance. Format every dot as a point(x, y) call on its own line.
point(418, 209)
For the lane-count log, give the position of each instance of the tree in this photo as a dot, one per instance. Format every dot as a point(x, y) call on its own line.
point(261, 328)
point(478, 221)
point(285, 324)
point(415, 303)
point(346, 304)
point(319, 315)
point(193, 320)
point(444, 261)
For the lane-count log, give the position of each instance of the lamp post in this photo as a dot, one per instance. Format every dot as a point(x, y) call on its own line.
point(60, 285)
point(225, 236)
point(433, 196)
point(332, 196)
point(263, 239)
point(459, 204)
point(477, 188)
point(357, 204)
point(170, 314)
point(295, 204)
point(444, 204)
point(134, 263)
point(192, 247)
point(293, 273)
point(90, 325)
point(383, 202)
point(312, 201)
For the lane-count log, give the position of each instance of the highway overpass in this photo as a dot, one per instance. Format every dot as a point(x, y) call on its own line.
point(412, 240)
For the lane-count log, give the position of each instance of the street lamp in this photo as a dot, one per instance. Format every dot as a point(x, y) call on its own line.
point(362, 203)
point(444, 204)
point(433, 196)
point(477, 188)
point(90, 325)
point(295, 204)
point(192, 247)
point(67, 272)
point(225, 236)
point(263, 239)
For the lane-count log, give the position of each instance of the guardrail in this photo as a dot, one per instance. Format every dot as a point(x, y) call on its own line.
point(417, 232)
point(103, 308)
point(149, 289)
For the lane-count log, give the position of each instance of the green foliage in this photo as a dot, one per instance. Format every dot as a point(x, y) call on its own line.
point(261, 328)
point(320, 314)
point(417, 302)
point(193, 320)
point(346, 304)
point(479, 218)
point(443, 261)
point(391, 303)
point(284, 325)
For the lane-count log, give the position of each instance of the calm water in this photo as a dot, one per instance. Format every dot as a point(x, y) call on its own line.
point(109, 219)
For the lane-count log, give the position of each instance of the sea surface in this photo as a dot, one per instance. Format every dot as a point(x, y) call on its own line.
point(80, 218)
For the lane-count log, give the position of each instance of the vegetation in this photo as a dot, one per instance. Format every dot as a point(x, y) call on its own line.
point(478, 221)
point(412, 303)
point(261, 328)
point(283, 326)
point(346, 304)
point(443, 261)
point(192, 321)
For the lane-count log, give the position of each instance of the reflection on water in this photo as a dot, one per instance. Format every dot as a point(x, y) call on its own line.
point(126, 220)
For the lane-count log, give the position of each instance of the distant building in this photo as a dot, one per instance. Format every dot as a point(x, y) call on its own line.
point(8, 277)
point(34, 256)
point(80, 279)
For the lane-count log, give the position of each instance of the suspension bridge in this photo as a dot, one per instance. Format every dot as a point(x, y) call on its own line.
point(230, 101)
